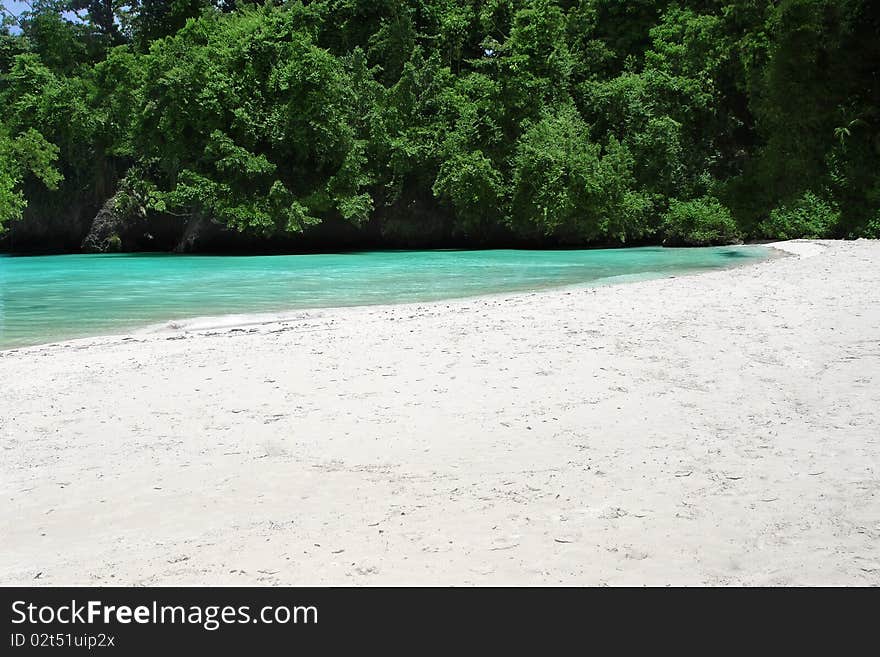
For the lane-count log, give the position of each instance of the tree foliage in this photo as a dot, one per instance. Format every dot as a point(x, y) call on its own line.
point(27, 154)
point(539, 121)
point(699, 222)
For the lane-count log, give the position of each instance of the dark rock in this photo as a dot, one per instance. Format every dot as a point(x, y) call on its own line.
point(108, 226)
point(114, 230)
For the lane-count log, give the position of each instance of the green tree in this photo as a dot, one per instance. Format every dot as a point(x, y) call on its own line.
point(248, 122)
point(419, 121)
point(568, 187)
point(699, 222)
point(27, 154)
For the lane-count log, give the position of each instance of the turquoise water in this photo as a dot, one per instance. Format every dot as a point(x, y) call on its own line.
point(47, 298)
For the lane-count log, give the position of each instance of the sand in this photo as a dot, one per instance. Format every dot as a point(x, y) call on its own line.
point(721, 429)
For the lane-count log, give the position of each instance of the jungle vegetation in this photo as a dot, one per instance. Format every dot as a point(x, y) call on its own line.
point(426, 122)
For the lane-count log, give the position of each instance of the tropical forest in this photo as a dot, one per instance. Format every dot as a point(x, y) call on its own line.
point(200, 125)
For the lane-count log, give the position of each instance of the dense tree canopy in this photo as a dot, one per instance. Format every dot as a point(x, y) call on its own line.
point(428, 121)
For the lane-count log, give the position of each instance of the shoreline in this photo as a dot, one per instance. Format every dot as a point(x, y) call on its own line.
point(210, 324)
point(716, 428)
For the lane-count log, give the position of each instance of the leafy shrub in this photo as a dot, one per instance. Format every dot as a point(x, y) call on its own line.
point(567, 186)
point(475, 189)
point(809, 217)
point(28, 153)
point(871, 230)
point(699, 222)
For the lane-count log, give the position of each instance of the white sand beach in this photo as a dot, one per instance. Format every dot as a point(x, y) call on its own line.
point(720, 428)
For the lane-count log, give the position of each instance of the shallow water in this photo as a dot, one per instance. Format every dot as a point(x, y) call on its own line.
point(47, 298)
